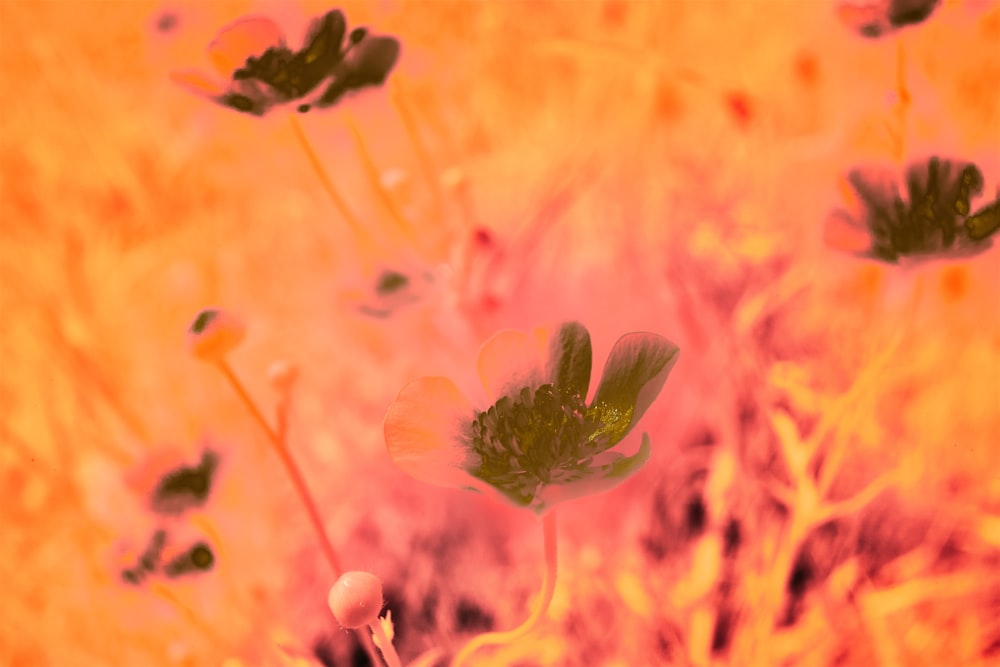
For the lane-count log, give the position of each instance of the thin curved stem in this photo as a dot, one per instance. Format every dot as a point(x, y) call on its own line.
point(299, 482)
point(385, 645)
point(541, 608)
point(406, 115)
point(371, 171)
point(290, 467)
point(327, 182)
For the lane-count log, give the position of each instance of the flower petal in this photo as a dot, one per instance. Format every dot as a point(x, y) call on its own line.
point(372, 60)
point(570, 359)
point(842, 233)
point(198, 83)
point(511, 360)
point(424, 432)
point(322, 50)
point(603, 478)
point(246, 37)
point(367, 64)
point(633, 376)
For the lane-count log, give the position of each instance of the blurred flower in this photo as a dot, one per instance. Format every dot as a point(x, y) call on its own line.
point(259, 72)
point(934, 222)
point(539, 443)
point(185, 487)
point(214, 333)
point(876, 18)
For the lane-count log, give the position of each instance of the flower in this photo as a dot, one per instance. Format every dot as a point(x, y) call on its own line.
point(877, 18)
point(539, 443)
point(261, 72)
point(214, 334)
point(934, 222)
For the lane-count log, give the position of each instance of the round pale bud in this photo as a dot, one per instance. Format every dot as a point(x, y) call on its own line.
point(356, 599)
point(214, 333)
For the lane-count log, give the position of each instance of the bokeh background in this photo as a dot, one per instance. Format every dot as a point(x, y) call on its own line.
point(824, 486)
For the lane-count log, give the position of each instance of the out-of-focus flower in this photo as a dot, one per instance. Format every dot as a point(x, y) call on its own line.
point(539, 443)
point(258, 72)
point(185, 487)
point(214, 333)
point(876, 18)
point(934, 222)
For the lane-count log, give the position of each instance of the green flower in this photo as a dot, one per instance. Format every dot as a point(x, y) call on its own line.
point(540, 442)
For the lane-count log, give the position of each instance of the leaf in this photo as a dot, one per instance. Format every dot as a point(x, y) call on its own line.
point(633, 376)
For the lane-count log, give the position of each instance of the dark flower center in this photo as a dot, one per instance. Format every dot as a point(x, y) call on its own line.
point(938, 193)
point(536, 437)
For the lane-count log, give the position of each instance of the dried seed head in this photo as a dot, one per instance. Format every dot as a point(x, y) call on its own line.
point(356, 599)
point(214, 333)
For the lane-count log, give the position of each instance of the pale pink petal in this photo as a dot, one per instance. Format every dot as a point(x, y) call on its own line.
point(198, 83)
point(424, 432)
point(511, 360)
point(842, 233)
point(238, 41)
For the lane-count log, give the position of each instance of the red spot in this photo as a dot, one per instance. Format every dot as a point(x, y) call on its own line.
point(483, 237)
point(955, 283)
point(666, 102)
point(490, 303)
point(740, 107)
point(806, 68)
point(115, 205)
point(614, 13)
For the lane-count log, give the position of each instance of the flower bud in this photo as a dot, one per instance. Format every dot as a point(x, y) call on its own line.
point(214, 333)
point(356, 599)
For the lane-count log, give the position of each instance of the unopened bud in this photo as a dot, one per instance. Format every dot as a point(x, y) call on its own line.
point(356, 599)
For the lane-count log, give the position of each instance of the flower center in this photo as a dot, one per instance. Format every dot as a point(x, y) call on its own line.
point(536, 437)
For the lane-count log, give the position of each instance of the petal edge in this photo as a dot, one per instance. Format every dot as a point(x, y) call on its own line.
point(423, 432)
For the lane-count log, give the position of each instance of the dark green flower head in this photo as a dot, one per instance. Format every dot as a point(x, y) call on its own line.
point(261, 72)
point(933, 221)
point(540, 442)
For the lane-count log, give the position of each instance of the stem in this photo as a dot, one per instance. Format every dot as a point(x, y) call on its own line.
point(388, 650)
point(371, 171)
point(904, 98)
point(164, 593)
point(541, 608)
point(331, 190)
point(406, 115)
point(290, 467)
point(369, 646)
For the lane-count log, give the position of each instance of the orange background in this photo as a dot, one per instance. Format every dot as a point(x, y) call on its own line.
point(663, 166)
